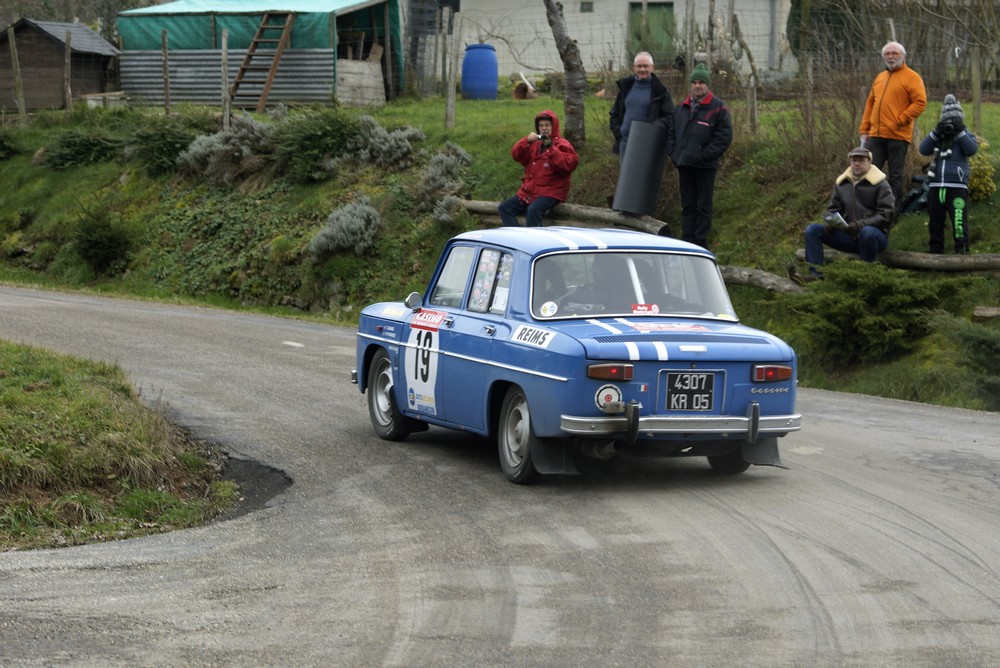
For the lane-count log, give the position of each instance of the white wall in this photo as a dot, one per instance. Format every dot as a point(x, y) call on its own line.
point(523, 39)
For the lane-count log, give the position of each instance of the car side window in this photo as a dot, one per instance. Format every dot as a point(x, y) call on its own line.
point(450, 287)
point(491, 286)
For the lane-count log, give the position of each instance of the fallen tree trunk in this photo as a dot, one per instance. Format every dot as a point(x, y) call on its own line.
point(759, 278)
point(985, 313)
point(578, 214)
point(920, 261)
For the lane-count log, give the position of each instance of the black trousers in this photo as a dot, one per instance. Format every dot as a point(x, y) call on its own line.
point(697, 188)
point(892, 151)
point(943, 203)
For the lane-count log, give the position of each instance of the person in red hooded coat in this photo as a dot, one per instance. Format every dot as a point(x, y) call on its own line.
point(548, 161)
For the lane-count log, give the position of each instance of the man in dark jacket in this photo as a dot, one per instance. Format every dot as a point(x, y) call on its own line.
point(858, 217)
point(702, 132)
point(548, 161)
point(641, 97)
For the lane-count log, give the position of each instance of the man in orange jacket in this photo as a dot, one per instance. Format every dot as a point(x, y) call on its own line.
point(896, 100)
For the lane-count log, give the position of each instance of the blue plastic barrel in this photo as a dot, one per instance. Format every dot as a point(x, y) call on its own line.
point(479, 72)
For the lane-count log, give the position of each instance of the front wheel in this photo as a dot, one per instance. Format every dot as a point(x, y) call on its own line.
point(386, 419)
point(515, 439)
point(730, 463)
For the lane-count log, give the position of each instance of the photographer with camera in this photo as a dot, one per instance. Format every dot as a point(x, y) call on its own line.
point(950, 145)
point(548, 161)
point(857, 220)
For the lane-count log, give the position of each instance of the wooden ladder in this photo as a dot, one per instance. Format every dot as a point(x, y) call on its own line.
point(256, 64)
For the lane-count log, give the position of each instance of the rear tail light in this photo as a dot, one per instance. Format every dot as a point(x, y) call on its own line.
point(610, 371)
point(771, 373)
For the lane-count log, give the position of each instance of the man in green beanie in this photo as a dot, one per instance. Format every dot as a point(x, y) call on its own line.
point(701, 133)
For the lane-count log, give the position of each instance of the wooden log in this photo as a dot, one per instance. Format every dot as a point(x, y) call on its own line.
point(920, 261)
point(985, 313)
point(587, 216)
point(759, 278)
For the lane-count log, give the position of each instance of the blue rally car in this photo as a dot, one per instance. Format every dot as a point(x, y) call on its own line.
point(565, 342)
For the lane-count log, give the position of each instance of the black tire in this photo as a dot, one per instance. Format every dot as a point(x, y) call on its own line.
point(731, 463)
point(515, 438)
point(387, 421)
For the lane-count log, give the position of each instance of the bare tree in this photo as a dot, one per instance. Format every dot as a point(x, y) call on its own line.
point(576, 76)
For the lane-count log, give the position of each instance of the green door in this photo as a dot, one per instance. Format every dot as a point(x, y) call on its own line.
point(652, 30)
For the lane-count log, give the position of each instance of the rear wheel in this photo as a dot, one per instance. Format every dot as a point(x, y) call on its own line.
point(515, 438)
point(730, 463)
point(386, 419)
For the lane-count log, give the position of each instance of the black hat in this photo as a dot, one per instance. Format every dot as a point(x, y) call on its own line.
point(860, 151)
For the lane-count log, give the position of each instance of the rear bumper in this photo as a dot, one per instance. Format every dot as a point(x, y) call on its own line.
point(724, 426)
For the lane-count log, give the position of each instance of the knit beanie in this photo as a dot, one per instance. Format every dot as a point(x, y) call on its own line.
point(951, 110)
point(700, 73)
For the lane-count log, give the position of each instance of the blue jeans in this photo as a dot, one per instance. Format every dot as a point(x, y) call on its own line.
point(869, 243)
point(512, 207)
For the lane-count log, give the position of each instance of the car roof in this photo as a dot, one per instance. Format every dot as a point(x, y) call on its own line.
point(538, 240)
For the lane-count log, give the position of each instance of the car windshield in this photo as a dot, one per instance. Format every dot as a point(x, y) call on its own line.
point(631, 283)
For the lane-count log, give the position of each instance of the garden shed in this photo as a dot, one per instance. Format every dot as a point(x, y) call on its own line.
point(41, 57)
point(287, 51)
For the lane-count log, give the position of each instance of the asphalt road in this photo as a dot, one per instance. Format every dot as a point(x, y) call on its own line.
point(879, 546)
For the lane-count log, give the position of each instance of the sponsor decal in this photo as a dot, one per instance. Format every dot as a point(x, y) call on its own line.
point(548, 309)
point(693, 349)
point(429, 320)
point(668, 327)
point(645, 309)
point(533, 336)
point(393, 312)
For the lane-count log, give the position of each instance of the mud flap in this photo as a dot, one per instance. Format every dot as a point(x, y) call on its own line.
point(763, 453)
point(553, 456)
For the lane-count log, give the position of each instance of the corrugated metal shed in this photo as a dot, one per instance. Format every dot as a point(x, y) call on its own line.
point(324, 33)
point(307, 75)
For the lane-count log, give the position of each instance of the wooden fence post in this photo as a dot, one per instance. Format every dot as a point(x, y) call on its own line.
point(22, 109)
point(68, 75)
point(226, 99)
point(449, 113)
point(166, 71)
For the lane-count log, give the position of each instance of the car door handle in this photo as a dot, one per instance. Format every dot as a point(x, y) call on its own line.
point(449, 322)
point(490, 330)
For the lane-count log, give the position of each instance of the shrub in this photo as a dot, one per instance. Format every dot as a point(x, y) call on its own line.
point(443, 175)
point(7, 145)
point(982, 175)
point(306, 142)
point(865, 313)
point(83, 146)
point(159, 141)
point(382, 148)
point(101, 238)
point(230, 155)
point(352, 227)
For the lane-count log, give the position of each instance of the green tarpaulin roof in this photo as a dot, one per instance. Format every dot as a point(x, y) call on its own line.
point(198, 24)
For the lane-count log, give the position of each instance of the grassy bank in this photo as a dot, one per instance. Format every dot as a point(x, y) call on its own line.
point(83, 459)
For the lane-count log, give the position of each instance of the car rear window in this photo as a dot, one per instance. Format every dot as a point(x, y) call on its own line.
point(588, 284)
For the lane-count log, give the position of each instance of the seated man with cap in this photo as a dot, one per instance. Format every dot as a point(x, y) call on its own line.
point(857, 219)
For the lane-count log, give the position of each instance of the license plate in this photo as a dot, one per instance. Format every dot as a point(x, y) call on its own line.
point(690, 391)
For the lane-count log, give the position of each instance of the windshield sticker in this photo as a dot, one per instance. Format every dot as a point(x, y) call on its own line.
point(645, 309)
point(668, 327)
point(533, 336)
point(429, 320)
point(548, 309)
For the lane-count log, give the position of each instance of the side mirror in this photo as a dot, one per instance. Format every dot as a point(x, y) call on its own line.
point(414, 301)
